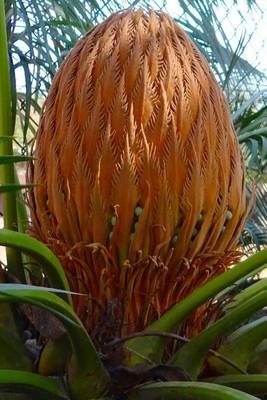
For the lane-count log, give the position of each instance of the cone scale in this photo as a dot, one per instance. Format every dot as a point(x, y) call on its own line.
point(140, 181)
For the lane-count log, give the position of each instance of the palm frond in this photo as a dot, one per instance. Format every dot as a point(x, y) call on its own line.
point(200, 20)
point(251, 126)
point(254, 235)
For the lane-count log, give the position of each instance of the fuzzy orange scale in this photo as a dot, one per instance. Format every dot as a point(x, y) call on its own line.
point(140, 182)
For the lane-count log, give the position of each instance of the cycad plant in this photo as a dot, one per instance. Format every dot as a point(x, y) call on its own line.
point(140, 193)
point(140, 183)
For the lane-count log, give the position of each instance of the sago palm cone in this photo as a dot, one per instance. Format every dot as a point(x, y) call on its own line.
point(140, 181)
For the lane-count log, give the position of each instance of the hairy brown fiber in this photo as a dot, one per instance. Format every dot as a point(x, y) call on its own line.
point(140, 181)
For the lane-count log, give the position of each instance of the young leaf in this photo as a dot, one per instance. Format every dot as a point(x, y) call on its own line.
point(21, 286)
point(7, 172)
point(257, 364)
point(246, 294)
point(54, 356)
point(253, 384)
point(87, 376)
point(240, 347)
point(13, 187)
point(188, 391)
point(6, 138)
point(41, 388)
point(153, 347)
point(13, 159)
point(10, 335)
point(13, 354)
point(192, 355)
point(48, 261)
